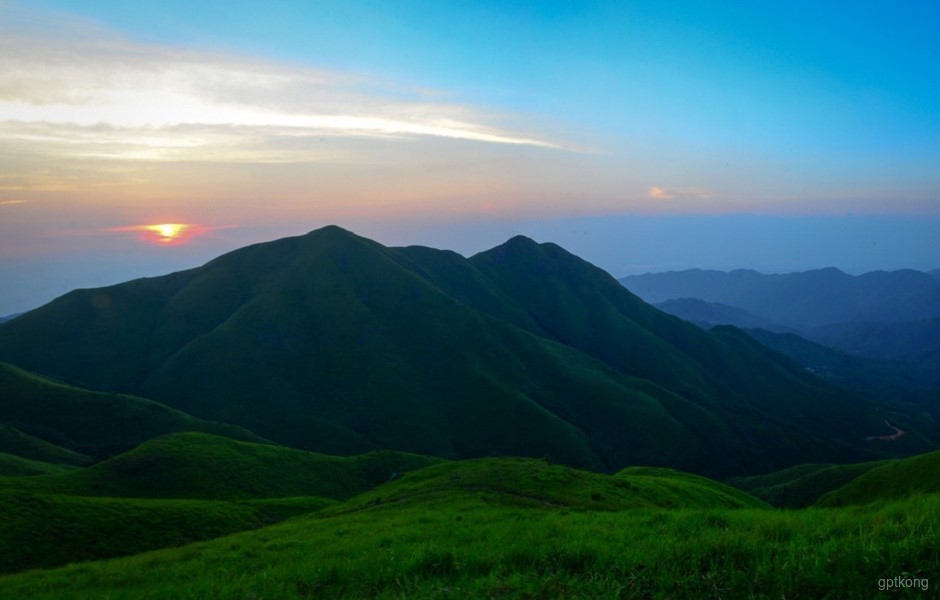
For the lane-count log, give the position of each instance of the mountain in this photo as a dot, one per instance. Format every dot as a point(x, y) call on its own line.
point(708, 314)
point(55, 422)
point(802, 300)
point(334, 343)
point(9, 317)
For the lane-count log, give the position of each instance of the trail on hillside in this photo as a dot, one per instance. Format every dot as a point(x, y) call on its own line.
point(898, 432)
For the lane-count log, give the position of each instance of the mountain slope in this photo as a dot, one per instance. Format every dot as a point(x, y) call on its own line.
point(334, 343)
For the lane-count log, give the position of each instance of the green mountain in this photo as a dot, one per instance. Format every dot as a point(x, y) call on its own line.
point(202, 466)
point(335, 343)
point(83, 422)
point(897, 479)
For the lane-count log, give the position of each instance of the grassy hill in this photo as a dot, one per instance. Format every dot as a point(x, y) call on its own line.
point(529, 482)
point(898, 479)
point(803, 485)
point(11, 464)
point(202, 466)
point(46, 530)
point(84, 422)
point(334, 343)
point(13, 441)
point(462, 530)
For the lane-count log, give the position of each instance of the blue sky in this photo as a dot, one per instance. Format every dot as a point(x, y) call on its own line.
point(429, 122)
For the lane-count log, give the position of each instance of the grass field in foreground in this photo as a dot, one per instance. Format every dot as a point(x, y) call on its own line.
point(461, 530)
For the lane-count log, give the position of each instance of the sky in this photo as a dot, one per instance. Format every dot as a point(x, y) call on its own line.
point(140, 138)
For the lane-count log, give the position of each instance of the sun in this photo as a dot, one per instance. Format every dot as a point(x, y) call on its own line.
point(167, 233)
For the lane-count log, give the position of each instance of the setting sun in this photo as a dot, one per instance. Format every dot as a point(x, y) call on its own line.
point(165, 233)
point(168, 232)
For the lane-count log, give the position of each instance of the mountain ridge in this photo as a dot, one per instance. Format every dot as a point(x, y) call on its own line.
point(334, 343)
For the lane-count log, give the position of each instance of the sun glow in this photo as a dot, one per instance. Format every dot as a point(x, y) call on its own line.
point(168, 232)
point(164, 234)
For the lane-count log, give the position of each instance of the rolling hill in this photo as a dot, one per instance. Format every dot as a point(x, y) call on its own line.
point(334, 343)
point(68, 424)
point(895, 480)
point(201, 466)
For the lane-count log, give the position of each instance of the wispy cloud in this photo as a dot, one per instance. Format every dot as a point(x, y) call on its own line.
point(11, 202)
point(70, 87)
point(660, 193)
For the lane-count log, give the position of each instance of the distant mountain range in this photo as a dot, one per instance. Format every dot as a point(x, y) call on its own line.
point(881, 315)
point(802, 300)
point(334, 343)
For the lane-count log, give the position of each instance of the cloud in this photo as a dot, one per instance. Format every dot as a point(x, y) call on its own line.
point(659, 193)
point(72, 88)
point(11, 202)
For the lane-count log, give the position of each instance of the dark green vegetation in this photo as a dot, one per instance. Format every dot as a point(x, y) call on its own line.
point(526, 529)
point(84, 422)
point(197, 465)
point(334, 343)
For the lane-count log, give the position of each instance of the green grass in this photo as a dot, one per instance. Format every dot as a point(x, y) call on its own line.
point(468, 547)
point(895, 480)
point(43, 530)
point(11, 465)
point(803, 485)
point(198, 465)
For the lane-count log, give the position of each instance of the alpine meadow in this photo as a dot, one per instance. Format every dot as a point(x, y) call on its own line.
point(522, 300)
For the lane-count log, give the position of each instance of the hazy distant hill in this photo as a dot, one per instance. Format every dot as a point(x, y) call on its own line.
point(9, 317)
point(802, 300)
point(885, 378)
point(708, 314)
point(332, 342)
point(917, 341)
